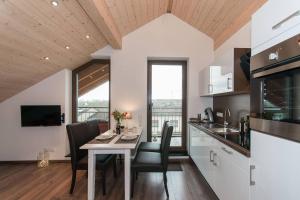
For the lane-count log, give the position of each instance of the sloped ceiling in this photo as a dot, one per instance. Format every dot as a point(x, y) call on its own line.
point(38, 39)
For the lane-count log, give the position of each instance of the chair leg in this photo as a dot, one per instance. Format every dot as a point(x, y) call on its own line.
point(73, 181)
point(166, 183)
point(132, 183)
point(104, 182)
point(115, 167)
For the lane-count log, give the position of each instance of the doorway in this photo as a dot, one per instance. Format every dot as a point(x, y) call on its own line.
point(167, 97)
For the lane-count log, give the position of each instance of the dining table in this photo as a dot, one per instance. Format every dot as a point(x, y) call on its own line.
point(123, 143)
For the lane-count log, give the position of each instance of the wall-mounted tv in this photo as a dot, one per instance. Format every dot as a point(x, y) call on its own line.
point(40, 115)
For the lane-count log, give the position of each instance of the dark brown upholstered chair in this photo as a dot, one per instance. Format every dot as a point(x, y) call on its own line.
point(153, 161)
point(103, 126)
point(93, 128)
point(152, 146)
point(79, 134)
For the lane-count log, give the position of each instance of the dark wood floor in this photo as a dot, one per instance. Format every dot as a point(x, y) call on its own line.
point(27, 182)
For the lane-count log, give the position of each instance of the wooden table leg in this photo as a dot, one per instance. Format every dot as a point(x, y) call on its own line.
point(91, 174)
point(127, 174)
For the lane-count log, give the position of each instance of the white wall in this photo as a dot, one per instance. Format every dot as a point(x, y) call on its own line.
point(241, 39)
point(164, 37)
point(23, 143)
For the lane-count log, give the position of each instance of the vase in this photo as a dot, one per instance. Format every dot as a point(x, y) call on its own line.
point(118, 127)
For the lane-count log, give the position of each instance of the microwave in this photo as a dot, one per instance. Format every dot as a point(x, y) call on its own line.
point(275, 90)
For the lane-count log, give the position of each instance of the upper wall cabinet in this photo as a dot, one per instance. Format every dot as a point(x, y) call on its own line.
point(274, 22)
point(229, 72)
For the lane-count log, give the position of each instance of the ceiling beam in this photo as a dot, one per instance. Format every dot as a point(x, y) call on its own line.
point(238, 23)
point(99, 13)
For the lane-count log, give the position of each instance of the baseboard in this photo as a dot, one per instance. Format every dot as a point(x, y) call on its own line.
point(15, 162)
point(211, 194)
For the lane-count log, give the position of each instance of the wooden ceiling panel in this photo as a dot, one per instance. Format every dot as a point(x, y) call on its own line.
point(32, 30)
point(131, 14)
point(214, 17)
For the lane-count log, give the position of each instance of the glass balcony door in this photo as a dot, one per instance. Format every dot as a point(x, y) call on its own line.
point(167, 101)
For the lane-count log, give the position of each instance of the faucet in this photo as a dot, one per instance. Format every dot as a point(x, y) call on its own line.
point(226, 115)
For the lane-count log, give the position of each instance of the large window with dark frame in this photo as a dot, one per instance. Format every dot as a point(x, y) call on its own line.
point(91, 91)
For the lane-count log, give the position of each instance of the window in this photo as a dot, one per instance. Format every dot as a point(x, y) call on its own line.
point(91, 91)
point(174, 123)
point(155, 123)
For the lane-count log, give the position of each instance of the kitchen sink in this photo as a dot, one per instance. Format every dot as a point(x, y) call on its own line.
point(224, 130)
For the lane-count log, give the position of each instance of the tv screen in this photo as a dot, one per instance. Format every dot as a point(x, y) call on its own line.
point(40, 115)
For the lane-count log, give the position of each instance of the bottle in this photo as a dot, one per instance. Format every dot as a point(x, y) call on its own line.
point(247, 131)
point(242, 130)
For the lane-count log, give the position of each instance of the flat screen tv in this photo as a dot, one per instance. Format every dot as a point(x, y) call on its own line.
point(40, 115)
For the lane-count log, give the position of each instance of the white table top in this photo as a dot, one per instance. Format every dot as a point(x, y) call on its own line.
point(112, 144)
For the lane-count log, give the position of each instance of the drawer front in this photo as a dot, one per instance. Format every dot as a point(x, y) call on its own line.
point(234, 156)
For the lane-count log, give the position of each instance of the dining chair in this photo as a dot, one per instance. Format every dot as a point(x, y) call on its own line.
point(77, 134)
point(153, 146)
point(93, 128)
point(153, 161)
point(103, 126)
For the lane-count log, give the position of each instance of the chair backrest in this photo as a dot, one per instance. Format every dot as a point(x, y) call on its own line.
point(166, 147)
point(103, 126)
point(77, 134)
point(93, 128)
point(163, 134)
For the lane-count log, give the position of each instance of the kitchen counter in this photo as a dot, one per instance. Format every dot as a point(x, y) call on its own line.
point(229, 136)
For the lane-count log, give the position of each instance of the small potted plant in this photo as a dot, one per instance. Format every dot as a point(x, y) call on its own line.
point(118, 116)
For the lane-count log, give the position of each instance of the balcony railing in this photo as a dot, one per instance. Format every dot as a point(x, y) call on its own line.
point(171, 114)
point(90, 113)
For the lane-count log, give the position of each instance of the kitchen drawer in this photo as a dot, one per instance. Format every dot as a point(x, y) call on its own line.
point(274, 18)
point(233, 156)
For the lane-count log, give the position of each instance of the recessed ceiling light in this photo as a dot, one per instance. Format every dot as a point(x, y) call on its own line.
point(46, 58)
point(87, 37)
point(54, 3)
point(67, 47)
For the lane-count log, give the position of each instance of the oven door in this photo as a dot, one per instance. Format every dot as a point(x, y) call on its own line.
point(275, 102)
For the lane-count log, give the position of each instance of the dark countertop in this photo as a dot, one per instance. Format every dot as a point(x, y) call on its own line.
point(232, 139)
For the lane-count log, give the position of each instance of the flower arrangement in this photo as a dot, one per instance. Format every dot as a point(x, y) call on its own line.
point(118, 116)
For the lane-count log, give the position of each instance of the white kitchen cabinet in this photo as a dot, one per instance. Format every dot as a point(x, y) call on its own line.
point(207, 79)
point(277, 168)
point(225, 74)
point(274, 22)
point(194, 142)
point(231, 174)
point(225, 170)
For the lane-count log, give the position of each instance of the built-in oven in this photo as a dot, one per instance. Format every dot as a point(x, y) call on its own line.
point(275, 90)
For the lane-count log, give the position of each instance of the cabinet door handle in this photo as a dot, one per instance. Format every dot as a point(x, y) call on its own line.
point(276, 26)
point(210, 157)
point(227, 151)
point(214, 162)
point(252, 167)
point(228, 83)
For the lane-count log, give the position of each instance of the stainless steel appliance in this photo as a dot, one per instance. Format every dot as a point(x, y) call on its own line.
point(209, 115)
point(275, 90)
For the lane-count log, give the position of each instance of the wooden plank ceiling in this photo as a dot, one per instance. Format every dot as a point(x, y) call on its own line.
point(92, 77)
point(39, 39)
